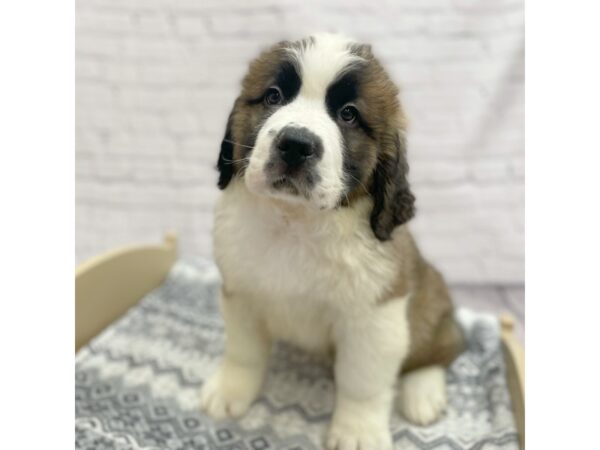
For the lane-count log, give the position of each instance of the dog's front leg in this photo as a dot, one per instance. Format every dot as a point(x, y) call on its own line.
point(370, 348)
point(237, 381)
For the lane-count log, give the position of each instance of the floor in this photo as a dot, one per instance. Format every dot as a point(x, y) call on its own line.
point(496, 300)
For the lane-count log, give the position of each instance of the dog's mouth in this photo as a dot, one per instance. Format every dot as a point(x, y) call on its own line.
point(285, 184)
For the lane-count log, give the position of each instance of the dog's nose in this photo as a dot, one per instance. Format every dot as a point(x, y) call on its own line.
point(296, 146)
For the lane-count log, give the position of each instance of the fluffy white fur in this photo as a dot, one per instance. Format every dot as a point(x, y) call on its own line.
point(311, 278)
point(321, 63)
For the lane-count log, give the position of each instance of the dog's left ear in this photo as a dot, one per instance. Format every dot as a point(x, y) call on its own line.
point(393, 201)
point(225, 162)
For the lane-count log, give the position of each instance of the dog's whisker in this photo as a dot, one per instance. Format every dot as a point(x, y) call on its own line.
point(237, 143)
point(233, 161)
point(358, 181)
point(347, 199)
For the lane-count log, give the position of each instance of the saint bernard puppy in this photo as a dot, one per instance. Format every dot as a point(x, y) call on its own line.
point(311, 240)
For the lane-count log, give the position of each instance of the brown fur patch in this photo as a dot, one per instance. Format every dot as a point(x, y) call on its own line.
point(380, 108)
point(245, 118)
point(375, 152)
point(435, 337)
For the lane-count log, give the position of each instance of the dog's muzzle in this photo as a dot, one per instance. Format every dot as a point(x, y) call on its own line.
point(295, 153)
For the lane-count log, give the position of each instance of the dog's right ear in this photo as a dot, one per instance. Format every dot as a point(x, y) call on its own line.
point(225, 163)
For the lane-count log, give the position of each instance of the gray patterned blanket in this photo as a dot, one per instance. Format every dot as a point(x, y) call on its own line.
point(137, 384)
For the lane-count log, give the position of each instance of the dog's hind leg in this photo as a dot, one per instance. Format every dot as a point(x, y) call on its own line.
point(422, 395)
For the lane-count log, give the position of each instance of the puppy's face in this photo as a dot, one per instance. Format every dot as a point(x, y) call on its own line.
point(318, 123)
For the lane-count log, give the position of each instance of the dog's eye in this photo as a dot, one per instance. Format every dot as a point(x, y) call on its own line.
point(273, 96)
point(348, 114)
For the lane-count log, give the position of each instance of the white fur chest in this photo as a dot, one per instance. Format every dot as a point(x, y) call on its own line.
point(300, 269)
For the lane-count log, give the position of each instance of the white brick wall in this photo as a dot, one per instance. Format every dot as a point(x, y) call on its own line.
point(156, 80)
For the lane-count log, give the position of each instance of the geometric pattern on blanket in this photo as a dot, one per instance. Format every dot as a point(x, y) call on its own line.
point(138, 382)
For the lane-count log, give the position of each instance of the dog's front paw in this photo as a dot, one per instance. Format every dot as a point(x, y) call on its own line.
point(359, 433)
point(230, 391)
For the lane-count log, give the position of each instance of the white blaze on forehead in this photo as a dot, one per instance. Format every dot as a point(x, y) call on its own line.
point(322, 62)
